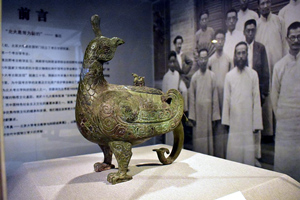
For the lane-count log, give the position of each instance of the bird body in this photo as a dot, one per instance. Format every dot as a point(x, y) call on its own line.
point(126, 113)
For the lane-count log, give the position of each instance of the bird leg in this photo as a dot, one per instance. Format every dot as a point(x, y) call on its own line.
point(106, 165)
point(122, 152)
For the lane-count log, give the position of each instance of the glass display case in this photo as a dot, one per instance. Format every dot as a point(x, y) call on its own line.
point(43, 45)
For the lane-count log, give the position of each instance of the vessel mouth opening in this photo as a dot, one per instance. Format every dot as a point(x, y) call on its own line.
point(169, 100)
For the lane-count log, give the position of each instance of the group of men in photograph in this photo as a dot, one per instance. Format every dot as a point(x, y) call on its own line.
point(253, 75)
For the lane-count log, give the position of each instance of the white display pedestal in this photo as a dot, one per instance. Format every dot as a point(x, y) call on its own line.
point(191, 176)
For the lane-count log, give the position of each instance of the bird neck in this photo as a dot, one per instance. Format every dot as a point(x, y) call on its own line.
point(95, 75)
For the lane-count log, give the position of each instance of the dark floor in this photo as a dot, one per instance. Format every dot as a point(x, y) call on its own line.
point(267, 152)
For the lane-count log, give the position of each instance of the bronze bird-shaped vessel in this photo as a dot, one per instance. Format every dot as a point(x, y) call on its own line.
point(116, 117)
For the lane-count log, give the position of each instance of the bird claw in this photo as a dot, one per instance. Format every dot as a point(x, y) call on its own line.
point(118, 177)
point(99, 167)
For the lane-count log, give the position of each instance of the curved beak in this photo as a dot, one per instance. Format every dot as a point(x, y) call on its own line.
point(118, 41)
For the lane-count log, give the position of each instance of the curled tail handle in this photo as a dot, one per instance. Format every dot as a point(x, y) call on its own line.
point(177, 146)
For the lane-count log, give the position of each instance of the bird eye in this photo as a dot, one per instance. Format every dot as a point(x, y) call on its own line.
point(93, 46)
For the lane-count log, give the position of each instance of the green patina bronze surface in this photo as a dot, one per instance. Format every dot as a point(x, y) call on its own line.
point(116, 117)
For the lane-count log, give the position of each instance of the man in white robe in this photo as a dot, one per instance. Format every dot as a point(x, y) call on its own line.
point(172, 77)
point(203, 105)
point(232, 36)
point(205, 34)
point(270, 32)
point(244, 15)
point(241, 108)
point(219, 63)
point(289, 14)
point(285, 97)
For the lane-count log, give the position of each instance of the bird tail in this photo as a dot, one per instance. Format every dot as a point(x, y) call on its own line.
point(177, 146)
point(175, 99)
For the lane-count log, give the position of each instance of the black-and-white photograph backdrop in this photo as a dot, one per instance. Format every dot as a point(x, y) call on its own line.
point(244, 108)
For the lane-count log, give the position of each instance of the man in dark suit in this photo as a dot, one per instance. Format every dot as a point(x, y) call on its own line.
point(257, 60)
point(184, 62)
point(183, 66)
